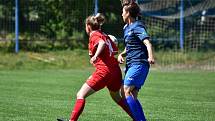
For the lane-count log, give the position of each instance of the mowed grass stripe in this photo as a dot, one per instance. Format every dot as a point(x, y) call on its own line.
point(44, 95)
point(180, 96)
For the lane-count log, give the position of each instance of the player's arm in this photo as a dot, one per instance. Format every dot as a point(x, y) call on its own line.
point(121, 55)
point(100, 48)
point(151, 59)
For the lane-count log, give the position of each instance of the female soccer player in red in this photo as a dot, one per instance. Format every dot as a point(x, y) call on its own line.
point(139, 56)
point(107, 73)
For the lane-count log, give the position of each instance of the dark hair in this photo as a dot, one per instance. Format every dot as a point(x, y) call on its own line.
point(133, 9)
point(126, 2)
point(95, 21)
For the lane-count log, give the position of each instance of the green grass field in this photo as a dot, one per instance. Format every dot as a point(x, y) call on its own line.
point(44, 95)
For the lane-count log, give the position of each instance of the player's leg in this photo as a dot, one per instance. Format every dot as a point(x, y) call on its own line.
point(140, 109)
point(85, 91)
point(132, 102)
point(134, 79)
point(115, 95)
point(93, 84)
point(114, 84)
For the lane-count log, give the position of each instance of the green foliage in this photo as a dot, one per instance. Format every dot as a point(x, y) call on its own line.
point(60, 25)
point(1, 11)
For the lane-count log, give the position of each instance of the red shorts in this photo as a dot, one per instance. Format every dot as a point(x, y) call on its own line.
point(112, 78)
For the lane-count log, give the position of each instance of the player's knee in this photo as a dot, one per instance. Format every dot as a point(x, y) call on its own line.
point(134, 93)
point(115, 96)
point(127, 93)
point(79, 95)
point(128, 90)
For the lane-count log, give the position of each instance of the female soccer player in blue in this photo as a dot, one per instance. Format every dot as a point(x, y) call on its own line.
point(139, 56)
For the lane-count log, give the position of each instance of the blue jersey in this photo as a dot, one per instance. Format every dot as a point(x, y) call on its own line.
point(136, 51)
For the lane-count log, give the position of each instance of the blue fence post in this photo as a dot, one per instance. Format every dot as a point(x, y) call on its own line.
point(17, 26)
point(96, 7)
point(182, 25)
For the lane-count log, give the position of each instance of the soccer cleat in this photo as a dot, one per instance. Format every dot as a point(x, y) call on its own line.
point(62, 119)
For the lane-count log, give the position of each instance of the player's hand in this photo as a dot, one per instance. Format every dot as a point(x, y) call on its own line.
point(151, 60)
point(93, 59)
point(120, 59)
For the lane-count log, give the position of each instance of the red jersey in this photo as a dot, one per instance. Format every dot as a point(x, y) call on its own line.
point(106, 57)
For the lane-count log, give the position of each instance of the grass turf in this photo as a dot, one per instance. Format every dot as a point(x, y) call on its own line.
point(44, 95)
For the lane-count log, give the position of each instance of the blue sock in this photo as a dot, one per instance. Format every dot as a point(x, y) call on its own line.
point(135, 109)
point(140, 110)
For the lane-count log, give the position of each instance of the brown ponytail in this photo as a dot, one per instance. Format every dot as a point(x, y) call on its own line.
point(126, 2)
point(95, 21)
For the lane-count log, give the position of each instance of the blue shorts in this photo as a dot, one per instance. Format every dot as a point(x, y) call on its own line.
point(136, 75)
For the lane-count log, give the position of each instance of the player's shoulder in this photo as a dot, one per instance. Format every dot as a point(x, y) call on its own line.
point(139, 23)
point(96, 35)
point(139, 26)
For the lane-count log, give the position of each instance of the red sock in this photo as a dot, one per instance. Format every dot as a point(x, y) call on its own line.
point(123, 105)
point(78, 108)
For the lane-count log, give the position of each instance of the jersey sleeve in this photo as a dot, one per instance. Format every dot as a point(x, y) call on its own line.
point(141, 33)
